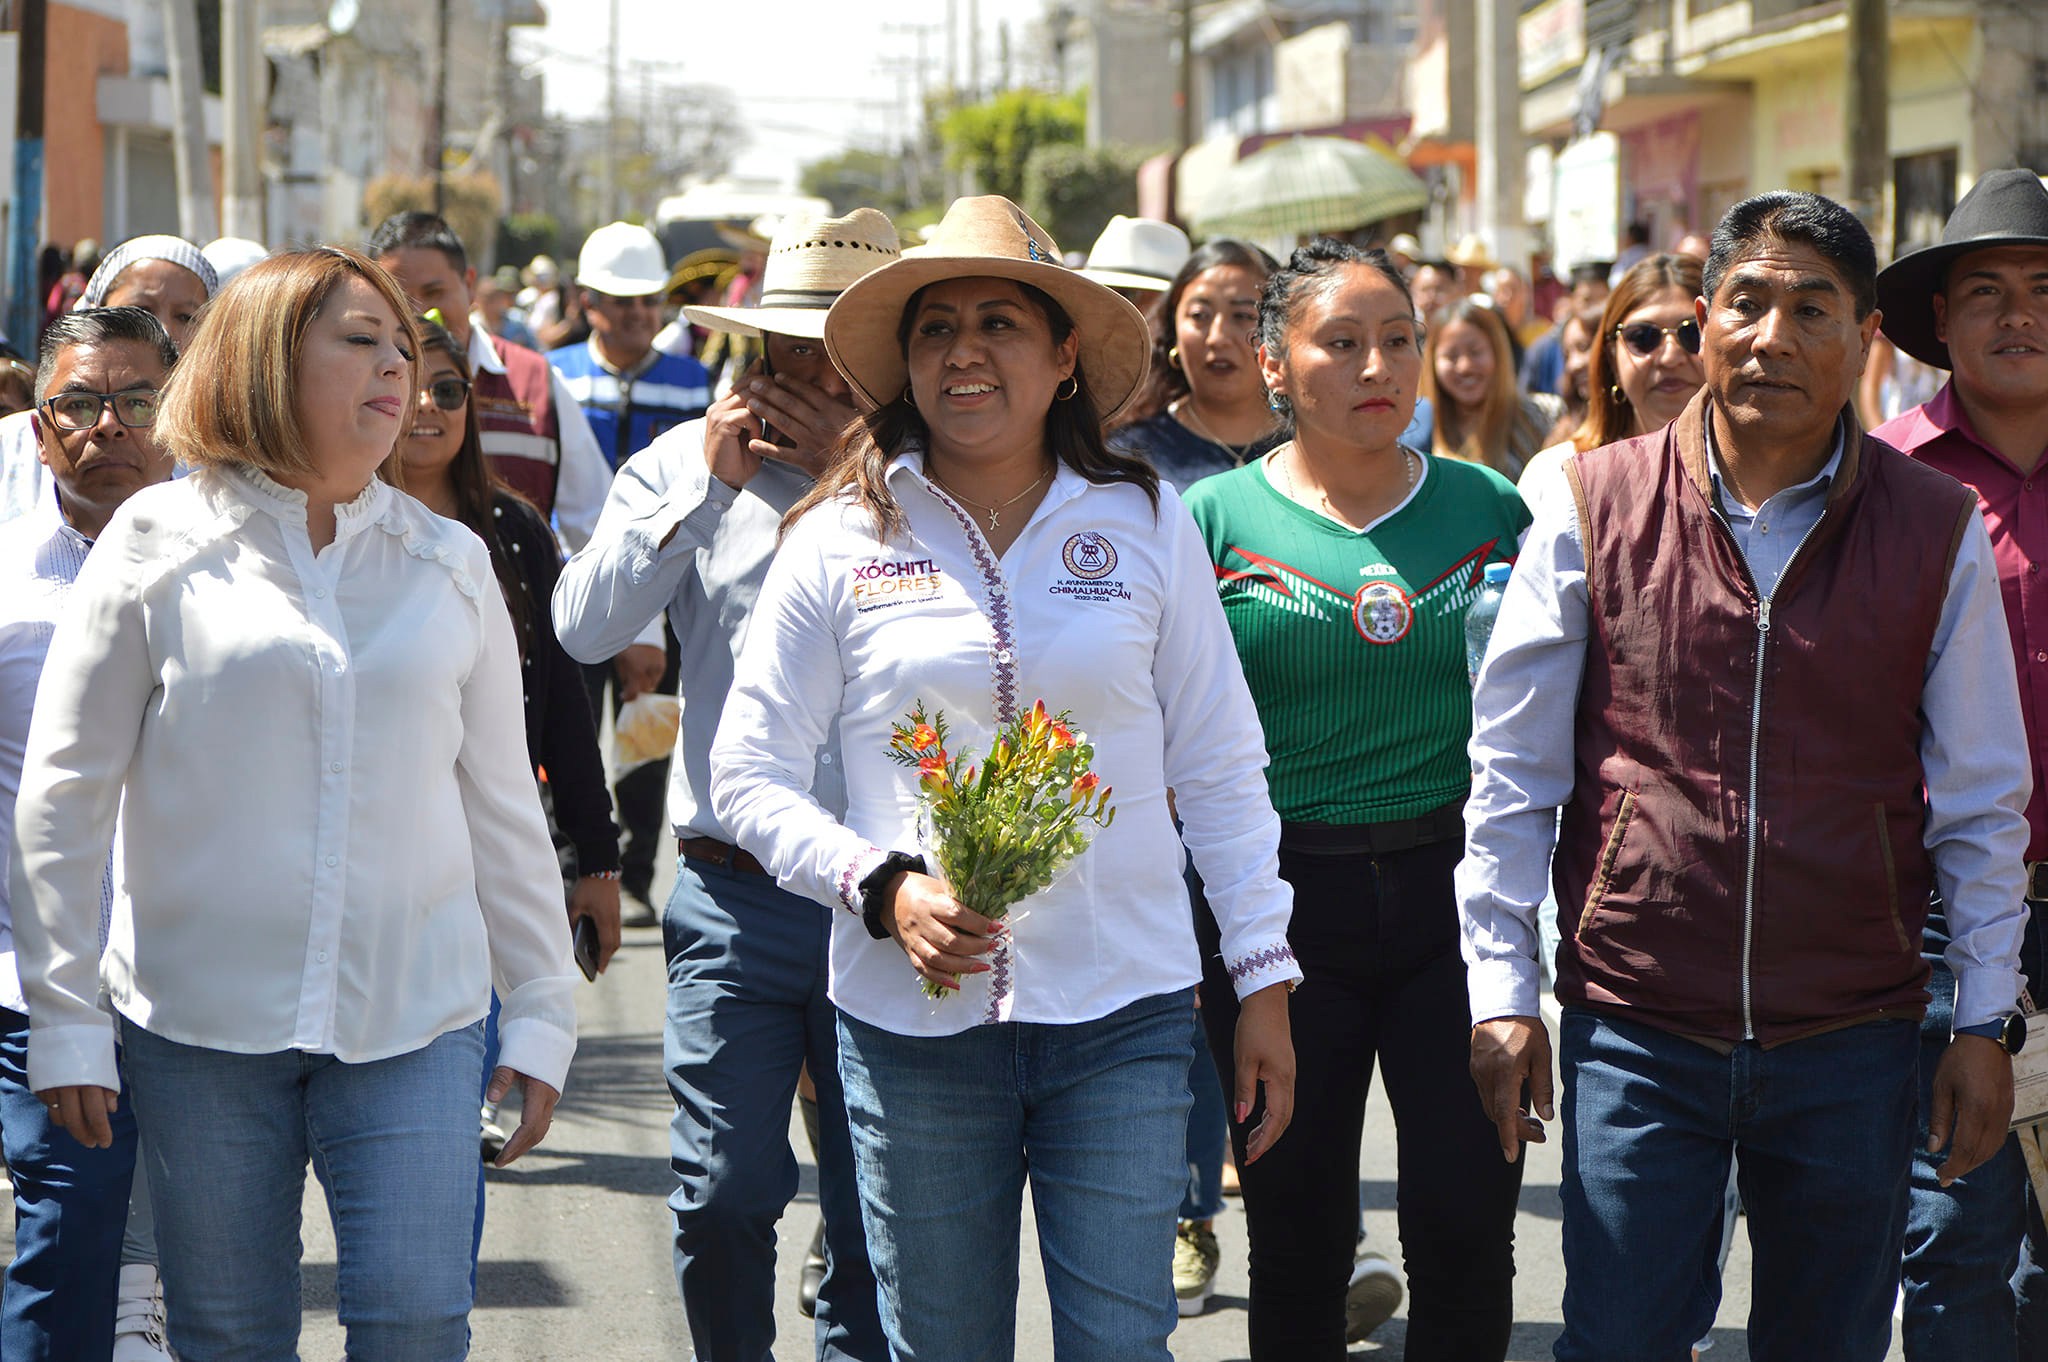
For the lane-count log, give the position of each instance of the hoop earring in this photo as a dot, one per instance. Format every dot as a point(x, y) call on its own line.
point(1173, 357)
point(1073, 386)
point(1615, 394)
point(1273, 399)
point(907, 399)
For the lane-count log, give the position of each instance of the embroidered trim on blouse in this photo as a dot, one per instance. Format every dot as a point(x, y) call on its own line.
point(1002, 652)
point(1260, 960)
point(1002, 656)
point(857, 870)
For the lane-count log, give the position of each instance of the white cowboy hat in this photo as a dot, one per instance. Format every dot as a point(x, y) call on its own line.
point(985, 237)
point(1138, 253)
point(811, 261)
point(622, 260)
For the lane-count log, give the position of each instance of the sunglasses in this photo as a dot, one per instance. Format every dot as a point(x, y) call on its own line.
point(134, 408)
point(1645, 338)
point(447, 393)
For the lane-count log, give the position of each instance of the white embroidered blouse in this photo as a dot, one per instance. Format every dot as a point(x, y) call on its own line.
point(1102, 607)
point(331, 837)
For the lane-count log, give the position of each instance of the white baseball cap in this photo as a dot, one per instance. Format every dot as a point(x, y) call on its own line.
point(622, 260)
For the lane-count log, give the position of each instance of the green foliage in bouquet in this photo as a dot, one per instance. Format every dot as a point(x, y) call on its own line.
point(1007, 826)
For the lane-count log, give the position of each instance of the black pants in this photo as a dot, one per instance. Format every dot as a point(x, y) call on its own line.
point(1377, 938)
point(642, 793)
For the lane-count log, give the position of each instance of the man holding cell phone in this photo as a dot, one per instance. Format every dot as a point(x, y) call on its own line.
point(688, 531)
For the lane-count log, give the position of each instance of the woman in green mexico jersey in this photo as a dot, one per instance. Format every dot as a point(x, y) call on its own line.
point(1345, 561)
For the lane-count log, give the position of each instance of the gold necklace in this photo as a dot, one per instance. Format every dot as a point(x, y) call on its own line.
point(1183, 410)
point(991, 511)
point(1408, 462)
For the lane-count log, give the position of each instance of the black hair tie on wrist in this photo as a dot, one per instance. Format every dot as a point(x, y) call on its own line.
point(875, 885)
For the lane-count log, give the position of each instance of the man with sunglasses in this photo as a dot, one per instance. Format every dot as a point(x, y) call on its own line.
point(687, 535)
point(1976, 304)
point(74, 1246)
point(1758, 660)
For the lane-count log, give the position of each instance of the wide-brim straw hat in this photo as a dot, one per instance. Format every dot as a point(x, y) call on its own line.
point(2004, 208)
point(1471, 253)
point(987, 237)
point(811, 261)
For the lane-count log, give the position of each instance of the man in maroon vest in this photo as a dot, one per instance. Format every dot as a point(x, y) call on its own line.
point(1758, 660)
point(534, 434)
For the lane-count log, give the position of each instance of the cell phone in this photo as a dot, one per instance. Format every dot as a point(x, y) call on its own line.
point(769, 434)
point(583, 943)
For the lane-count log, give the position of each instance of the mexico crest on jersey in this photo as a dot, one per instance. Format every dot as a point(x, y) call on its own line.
point(1382, 613)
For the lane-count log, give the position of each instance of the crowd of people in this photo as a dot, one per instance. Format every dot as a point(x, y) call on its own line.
point(318, 581)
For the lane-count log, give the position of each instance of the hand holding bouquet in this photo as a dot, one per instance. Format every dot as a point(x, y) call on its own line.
point(1007, 826)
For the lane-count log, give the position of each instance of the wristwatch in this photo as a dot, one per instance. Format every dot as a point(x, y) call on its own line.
point(2010, 1031)
point(874, 887)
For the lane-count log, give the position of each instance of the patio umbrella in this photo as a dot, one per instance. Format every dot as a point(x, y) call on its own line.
point(1306, 185)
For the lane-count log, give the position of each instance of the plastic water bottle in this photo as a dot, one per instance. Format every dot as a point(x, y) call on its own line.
point(1480, 615)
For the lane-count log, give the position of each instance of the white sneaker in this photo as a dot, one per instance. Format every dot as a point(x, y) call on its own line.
point(139, 1316)
point(1372, 1297)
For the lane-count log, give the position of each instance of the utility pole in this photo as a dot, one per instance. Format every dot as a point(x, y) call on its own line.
point(1866, 111)
point(608, 183)
point(24, 222)
point(241, 122)
point(974, 51)
point(1184, 97)
point(437, 145)
point(1500, 142)
point(188, 133)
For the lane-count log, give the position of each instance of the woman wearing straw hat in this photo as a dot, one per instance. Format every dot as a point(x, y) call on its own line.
point(687, 532)
point(1024, 560)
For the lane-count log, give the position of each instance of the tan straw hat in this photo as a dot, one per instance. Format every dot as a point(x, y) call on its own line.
point(810, 263)
point(985, 237)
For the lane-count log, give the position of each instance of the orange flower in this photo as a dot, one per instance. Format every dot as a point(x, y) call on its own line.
point(1062, 737)
point(922, 737)
point(1087, 783)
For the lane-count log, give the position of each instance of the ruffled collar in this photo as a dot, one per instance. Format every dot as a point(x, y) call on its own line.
point(289, 503)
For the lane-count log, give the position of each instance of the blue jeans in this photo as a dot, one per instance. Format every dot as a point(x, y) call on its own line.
point(1819, 1130)
point(1208, 1131)
point(746, 1009)
point(229, 1139)
point(70, 1207)
point(1974, 1276)
point(947, 1128)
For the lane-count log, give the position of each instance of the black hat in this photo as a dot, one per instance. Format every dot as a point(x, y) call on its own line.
point(2004, 208)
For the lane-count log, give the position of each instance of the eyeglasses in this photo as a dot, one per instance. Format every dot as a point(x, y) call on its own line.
point(447, 393)
point(133, 407)
point(1645, 338)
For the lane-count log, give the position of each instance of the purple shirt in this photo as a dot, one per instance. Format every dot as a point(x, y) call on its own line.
point(2015, 507)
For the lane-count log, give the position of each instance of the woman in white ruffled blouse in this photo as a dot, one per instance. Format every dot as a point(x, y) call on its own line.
point(300, 691)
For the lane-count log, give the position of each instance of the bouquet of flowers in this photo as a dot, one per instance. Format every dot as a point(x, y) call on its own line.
point(1007, 826)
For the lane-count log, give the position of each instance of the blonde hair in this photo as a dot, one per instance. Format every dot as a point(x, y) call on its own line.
point(230, 399)
point(1481, 436)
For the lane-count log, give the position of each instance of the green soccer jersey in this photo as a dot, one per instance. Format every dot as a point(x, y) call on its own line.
point(1354, 641)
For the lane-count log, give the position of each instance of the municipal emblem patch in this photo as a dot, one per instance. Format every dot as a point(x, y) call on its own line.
point(1089, 557)
point(1382, 613)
